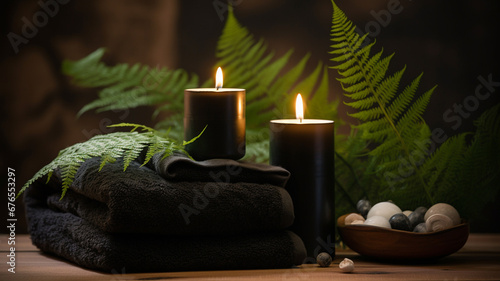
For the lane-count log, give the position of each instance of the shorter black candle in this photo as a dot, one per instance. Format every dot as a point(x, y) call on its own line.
point(306, 149)
point(223, 112)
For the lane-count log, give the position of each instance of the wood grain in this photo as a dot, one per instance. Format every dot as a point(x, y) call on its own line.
point(479, 259)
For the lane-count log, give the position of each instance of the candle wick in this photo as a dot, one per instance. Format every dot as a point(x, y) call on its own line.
point(300, 120)
point(217, 88)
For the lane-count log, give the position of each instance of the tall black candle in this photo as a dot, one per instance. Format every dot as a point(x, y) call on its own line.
point(222, 111)
point(305, 147)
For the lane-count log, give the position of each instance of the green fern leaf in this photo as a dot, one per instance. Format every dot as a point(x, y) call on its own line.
point(270, 89)
point(390, 120)
point(248, 62)
point(470, 178)
point(399, 163)
point(127, 86)
point(126, 145)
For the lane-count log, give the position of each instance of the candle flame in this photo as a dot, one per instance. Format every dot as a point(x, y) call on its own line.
point(218, 79)
point(299, 108)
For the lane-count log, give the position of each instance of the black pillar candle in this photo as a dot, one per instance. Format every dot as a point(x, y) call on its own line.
point(305, 147)
point(223, 112)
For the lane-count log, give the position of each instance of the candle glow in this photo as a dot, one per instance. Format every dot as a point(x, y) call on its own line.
point(299, 108)
point(218, 79)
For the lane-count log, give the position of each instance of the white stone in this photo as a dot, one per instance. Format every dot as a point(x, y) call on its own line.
point(444, 209)
point(346, 265)
point(384, 209)
point(358, 222)
point(353, 217)
point(438, 222)
point(378, 221)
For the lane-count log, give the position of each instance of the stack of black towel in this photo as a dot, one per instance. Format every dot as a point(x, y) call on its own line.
point(173, 214)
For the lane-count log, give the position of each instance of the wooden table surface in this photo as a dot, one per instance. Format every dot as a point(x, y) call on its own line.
point(479, 259)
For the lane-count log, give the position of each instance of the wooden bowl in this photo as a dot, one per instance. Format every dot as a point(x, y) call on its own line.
point(402, 246)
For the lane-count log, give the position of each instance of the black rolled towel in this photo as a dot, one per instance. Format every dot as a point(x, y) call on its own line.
point(71, 237)
point(141, 201)
point(178, 167)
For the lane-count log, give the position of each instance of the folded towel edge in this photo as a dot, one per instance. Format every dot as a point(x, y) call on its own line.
point(299, 250)
point(287, 213)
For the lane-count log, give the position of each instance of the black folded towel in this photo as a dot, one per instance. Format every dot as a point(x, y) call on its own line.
point(209, 197)
point(71, 237)
point(178, 167)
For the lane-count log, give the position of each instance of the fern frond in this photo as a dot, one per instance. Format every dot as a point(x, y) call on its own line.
point(402, 161)
point(471, 179)
point(390, 119)
point(441, 162)
point(271, 83)
point(126, 145)
point(125, 86)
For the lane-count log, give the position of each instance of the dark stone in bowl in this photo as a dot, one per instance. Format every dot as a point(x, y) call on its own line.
point(363, 206)
point(400, 221)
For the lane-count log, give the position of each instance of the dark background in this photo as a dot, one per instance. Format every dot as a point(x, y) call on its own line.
point(453, 43)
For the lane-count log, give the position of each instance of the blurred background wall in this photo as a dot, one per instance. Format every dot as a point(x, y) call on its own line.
point(453, 43)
